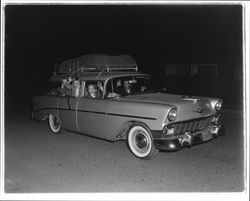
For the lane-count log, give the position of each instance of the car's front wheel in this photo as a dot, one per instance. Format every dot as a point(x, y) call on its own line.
point(54, 124)
point(140, 142)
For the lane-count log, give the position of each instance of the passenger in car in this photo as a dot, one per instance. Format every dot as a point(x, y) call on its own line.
point(92, 91)
point(62, 90)
point(119, 88)
point(76, 88)
point(126, 90)
point(99, 89)
point(68, 84)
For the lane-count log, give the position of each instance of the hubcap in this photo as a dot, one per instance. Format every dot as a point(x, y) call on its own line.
point(141, 141)
point(54, 123)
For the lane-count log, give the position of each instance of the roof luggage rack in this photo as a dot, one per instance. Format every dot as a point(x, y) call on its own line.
point(108, 68)
point(96, 63)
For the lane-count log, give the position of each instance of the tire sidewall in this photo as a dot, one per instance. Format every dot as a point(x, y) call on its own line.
point(52, 126)
point(147, 133)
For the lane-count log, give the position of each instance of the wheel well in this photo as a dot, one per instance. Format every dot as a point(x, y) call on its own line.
point(45, 117)
point(123, 130)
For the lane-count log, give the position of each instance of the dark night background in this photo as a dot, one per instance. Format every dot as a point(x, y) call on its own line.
point(39, 36)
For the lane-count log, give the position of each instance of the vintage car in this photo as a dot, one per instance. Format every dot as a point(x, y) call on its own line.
point(124, 107)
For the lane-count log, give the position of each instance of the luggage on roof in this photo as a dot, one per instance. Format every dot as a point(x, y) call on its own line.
point(96, 62)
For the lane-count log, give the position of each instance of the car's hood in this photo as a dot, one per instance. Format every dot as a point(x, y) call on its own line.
point(187, 106)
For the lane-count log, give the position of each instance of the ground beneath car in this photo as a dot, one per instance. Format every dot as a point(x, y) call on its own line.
point(38, 161)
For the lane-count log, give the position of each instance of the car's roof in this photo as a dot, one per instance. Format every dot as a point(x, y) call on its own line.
point(102, 76)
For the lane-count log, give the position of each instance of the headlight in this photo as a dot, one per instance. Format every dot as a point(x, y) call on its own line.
point(218, 105)
point(172, 114)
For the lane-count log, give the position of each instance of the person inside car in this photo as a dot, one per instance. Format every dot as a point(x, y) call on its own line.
point(99, 89)
point(76, 88)
point(68, 83)
point(62, 90)
point(127, 89)
point(93, 92)
point(119, 88)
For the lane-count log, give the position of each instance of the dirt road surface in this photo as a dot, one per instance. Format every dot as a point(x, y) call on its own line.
point(38, 161)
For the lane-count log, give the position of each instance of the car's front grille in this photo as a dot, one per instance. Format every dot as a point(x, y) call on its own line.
point(191, 126)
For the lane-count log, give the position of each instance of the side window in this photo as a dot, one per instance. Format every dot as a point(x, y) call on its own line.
point(113, 88)
point(73, 88)
point(64, 88)
point(93, 89)
point(118, 87)
point(142, 85)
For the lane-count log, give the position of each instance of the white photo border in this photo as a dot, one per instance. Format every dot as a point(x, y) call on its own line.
point(135, 196)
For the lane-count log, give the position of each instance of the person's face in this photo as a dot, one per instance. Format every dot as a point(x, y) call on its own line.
point(92, 89)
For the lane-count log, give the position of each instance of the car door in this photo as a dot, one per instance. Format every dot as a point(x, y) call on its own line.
point(91, 113)
point(92, 116)
point(67, 112)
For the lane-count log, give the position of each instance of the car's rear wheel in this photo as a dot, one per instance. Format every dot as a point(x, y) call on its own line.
point(140, 142)
point(54, 124)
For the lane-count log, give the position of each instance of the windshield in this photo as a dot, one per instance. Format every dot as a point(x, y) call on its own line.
point(124, 86)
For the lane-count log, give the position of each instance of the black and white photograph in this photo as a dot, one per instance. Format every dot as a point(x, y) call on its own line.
point(139, 98)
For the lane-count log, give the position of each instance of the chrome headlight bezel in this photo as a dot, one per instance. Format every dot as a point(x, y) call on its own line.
point(218, 105)
point(172, 114)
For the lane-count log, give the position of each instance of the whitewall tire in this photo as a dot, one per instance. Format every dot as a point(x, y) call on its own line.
point(140, 142)
point(54, 124)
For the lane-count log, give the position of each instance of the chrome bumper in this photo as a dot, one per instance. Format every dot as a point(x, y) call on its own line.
point(189, 139)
